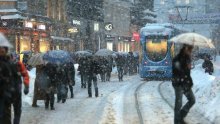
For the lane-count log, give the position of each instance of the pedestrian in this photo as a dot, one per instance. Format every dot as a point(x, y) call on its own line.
point(71, 77)
point(62, 83)
point(83, 68)
point(109, 68)
point(50, 89)
point(5, 87)
point(130, 63)
point(19, 71)
point(208, 65)
point(93, 67)
point(120, 63)
point(37, 92)
point(182, 83)
point(103, 65)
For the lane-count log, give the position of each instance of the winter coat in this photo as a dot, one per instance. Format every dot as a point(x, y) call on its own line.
point(208, 66)
point(23, 71)
point(71, 73)
point(120, 61)
point(181, 67)
point(42, 83)
point(6, 78)
point(93, 67)
point(83, 65)
point(18, 71)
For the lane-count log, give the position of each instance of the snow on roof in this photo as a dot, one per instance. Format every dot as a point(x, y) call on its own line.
point(7, 0)
point(155, 29)
point(8, 10)
point(15, 16)
point(62, 38)
point(149, 18)
point(150, 12)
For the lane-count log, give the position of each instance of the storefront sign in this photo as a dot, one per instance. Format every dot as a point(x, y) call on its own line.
point(76, 22)
point(73, 30)
point(109, 38)
point(28, 24)
point(42, 27)
point(108, 26)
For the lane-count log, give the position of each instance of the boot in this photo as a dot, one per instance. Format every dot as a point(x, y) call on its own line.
point(72, 95)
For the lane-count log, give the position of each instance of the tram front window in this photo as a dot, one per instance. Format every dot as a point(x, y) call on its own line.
point(156, 48)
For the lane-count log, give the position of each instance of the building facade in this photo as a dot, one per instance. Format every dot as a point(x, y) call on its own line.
point(117, 25)
point(213, 7)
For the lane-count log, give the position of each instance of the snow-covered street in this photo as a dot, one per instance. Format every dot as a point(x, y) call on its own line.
point(117, 103)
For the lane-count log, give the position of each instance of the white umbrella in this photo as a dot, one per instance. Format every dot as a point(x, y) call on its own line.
point(36, 60)
point(4, 41)
point(104, 52)
point(193, 39)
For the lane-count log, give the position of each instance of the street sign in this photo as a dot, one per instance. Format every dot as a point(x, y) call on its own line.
point(108, 26)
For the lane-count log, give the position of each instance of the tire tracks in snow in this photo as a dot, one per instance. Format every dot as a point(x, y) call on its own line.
point(197, 115)
point(122, 105)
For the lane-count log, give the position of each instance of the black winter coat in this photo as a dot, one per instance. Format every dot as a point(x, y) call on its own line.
point(6, 80)
point(208, 66)
point(181, 67)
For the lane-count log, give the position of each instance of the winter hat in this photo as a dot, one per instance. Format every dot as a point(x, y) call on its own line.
point(4, 41)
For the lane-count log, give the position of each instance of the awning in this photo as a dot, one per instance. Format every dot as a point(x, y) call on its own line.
point(15, 16)
point(8, 10)
point(62, 38)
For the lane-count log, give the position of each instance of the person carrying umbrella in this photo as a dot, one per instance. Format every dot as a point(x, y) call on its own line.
point(182, 83)
point(120, 63)
point(181, 67)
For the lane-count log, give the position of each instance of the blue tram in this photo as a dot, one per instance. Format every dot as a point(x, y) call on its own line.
point(156, 52)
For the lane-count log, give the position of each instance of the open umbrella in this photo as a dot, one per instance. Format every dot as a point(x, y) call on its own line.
point(193, 39)
point(36, 60)
point(4, 41)
point(104, 52)
point(26, 52)
point(57, 57)
point(83, 53)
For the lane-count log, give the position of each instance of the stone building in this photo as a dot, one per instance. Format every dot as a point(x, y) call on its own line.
point(117, 25)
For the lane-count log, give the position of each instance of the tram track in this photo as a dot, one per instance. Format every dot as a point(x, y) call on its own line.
point(137, 104)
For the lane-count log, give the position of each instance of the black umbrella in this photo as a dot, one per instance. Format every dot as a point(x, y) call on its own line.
point(57, 57)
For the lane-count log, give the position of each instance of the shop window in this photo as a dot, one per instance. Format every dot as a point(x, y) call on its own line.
point(110, 46)
point(44, 45)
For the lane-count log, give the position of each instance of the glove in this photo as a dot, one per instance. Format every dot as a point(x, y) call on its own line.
point(26, 90)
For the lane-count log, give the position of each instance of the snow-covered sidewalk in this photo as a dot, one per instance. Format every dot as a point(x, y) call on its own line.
point(80, 110)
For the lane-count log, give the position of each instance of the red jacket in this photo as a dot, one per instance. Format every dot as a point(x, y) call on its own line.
point(22, 69)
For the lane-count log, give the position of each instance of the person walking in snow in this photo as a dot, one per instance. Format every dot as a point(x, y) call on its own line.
point(71, 77)
point(208, 65)
point(19, 71)
point(120, 63)
point(182, 83)
point(93, 71)
point(83, 68)
point(5, 87)
point(51, 85)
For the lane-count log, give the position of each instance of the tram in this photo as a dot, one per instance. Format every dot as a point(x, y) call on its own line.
point(156, 52)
